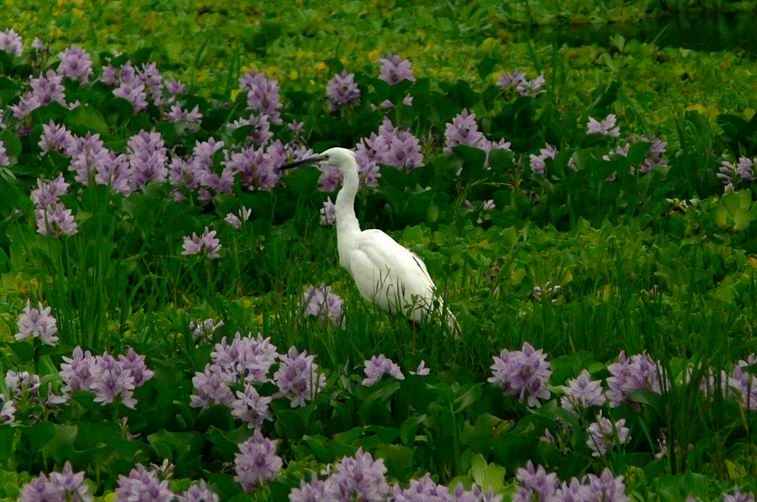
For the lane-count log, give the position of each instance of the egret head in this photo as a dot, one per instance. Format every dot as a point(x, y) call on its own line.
point(341, 158)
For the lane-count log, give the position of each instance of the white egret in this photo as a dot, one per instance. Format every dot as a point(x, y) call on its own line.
point(385, 272)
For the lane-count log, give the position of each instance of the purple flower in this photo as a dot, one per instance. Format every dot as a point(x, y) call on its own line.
point(75, 64)
point(605, 128)
point(330, 179)
point(517, 81)
point(738, 496)
point(244, 358)
point(199, 493)
point(88, 157)
point(109, 75)
point(7, 410)
point(131, 87)
point(394, 70)
point(260, 132)
point(56, 220)
point(535, 482)
point(604, 435)
point(378, 366)
point(606, 488)
point(147, 158)
point(48, 88)
point(207, 244)
point(251, 407)
point(744, 381)
point(314, 491)
point(298, 377)
point(239, 219)
point(639, 372)
point(77, 371)
point(321, 302)
point(11, 42)
point(745, 169)
point(210, 387)
point(296, 128)
point(342, 91)
point(37, 323)
point(256, 167)
point(136, 364)
point(538, 162)
point(328, 213)
point(40, 489)
point(582, 392)
point(262, 95)
point(192, 117)
point(26, 104)
point(256, 462)
point(421, 490)
point(523, 373)
point(22, 383)
point(54, 137)
point(203, 331)
point(359, 477)
point(463, 130)
point(393, 146)
point(4, 160)
point(111, 380)
point(174, 87)
point(421, 370)
point(70, 485)
point(143, 485)
point(153, 81)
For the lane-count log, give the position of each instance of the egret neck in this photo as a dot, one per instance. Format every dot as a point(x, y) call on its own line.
point(347, 226)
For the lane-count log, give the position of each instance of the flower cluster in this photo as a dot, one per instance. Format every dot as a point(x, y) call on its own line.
point(538, 162)
point(251, 407)
point(516, 81)
point(321, 302)
point(342, 91)
point(239, 218)
point(378, 366)
point(207, 244)
point(463, 130)
point(76, 64)
point(328, 213)
point(107, 377)
point(11, 42)
point(298, 378)
point(191, 118)
point(581, 393)
point(245, 359)
point(7, 410)
point(632, 374)
point(607, 127)
point(361, 477)
point(59, 486)
point(147, 159)
point(523, 373)
point(392, 146)
point(604, 435)
point(536, 484)
point(394, 70)
point(142, 484)
point(45, 89)
point(52, 217)
point(731, 173)
point(138, 86)
point(4, 159)
point(256, 462)
point(37, 323)
point(262, 95)
point(202, 332)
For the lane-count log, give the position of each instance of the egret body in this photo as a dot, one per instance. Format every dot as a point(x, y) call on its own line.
point(385, 272)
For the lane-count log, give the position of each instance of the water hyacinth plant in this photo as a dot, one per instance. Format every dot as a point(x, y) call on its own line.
point(176, 325)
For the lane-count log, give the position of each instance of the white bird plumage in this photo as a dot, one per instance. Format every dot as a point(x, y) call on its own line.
point(385, 272)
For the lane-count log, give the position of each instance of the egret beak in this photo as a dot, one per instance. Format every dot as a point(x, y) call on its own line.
point(303, 162)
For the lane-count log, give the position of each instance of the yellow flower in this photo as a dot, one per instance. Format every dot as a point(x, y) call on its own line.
point(374, 54)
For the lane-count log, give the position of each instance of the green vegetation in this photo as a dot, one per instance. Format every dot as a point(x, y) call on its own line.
point(655, 255)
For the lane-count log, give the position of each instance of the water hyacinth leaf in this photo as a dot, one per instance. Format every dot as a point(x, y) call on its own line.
point(61, 444)
point(478, 469)
point(7, 439)
point(409, 427)
point(183, 449)
point(469, 396)
point(24, 351)
point(318, 448)
point(734, 211)
point(87, 119)
point(11, 143)
point(513, 449)
point(226, 443)
point(398, 460)
point(375, 407)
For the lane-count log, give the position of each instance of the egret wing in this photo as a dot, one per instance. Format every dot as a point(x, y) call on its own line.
point(390, 275)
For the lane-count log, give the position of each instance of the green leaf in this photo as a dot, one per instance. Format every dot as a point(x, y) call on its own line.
point(409, 427)
point(398, 460)
point(87, 119)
